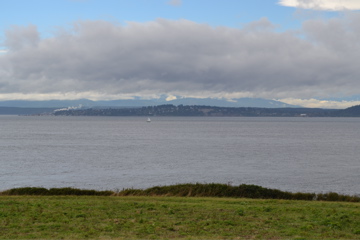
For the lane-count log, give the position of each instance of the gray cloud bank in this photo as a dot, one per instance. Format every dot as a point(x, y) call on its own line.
point(185, 58)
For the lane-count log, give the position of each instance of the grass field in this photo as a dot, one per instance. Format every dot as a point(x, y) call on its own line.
point(139, 217)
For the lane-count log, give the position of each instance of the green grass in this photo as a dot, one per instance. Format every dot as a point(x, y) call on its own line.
point(139, 217)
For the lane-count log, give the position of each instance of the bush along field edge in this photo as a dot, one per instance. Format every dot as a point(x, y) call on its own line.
point(190, 190)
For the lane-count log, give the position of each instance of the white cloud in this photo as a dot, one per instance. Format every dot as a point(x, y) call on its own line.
point(316, 103)
point(170, 98)
point(328, 5)
point(175, 2)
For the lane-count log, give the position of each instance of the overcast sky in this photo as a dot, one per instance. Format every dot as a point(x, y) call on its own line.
point(303, 52)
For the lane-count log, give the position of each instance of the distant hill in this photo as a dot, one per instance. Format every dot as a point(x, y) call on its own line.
point(241, 102)
point(24, 111)
point(353, 111)
point(197, 110)
point(183, 110)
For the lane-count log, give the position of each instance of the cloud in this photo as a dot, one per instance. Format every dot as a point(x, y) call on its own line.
point(316, 103)
point(19, 37)
point(328, 5)
point(101, 59)
point(92, 95)
point(175, 2)
point(170, 98)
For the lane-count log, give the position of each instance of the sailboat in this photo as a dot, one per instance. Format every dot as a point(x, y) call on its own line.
point(148, 120)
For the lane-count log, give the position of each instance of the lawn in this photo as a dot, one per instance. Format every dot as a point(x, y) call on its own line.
point(144, 217)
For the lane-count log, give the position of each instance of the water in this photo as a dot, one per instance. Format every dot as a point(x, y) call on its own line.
point(110, 153)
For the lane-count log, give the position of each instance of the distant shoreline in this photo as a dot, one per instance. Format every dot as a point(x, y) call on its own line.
point(183, 111)
point(210, 111)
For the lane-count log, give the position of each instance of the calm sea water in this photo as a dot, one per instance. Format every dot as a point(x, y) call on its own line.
point(292, 154)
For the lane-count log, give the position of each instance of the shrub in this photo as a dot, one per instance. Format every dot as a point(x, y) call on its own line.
point(192, 190)
point(54, 191)
point(224, 190)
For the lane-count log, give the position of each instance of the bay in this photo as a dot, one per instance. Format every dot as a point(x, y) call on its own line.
point(112, 153)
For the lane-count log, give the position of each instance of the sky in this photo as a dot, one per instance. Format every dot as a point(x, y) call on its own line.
point(302, 52)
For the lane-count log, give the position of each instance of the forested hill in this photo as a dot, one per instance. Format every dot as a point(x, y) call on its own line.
point(25, 111)
point(349, 112)
point(181, 110)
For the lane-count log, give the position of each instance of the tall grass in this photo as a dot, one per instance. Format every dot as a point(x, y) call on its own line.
point(192, 190)
point(241, 191)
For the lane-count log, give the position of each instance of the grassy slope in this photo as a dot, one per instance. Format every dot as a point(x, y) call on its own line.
point(97, 217)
